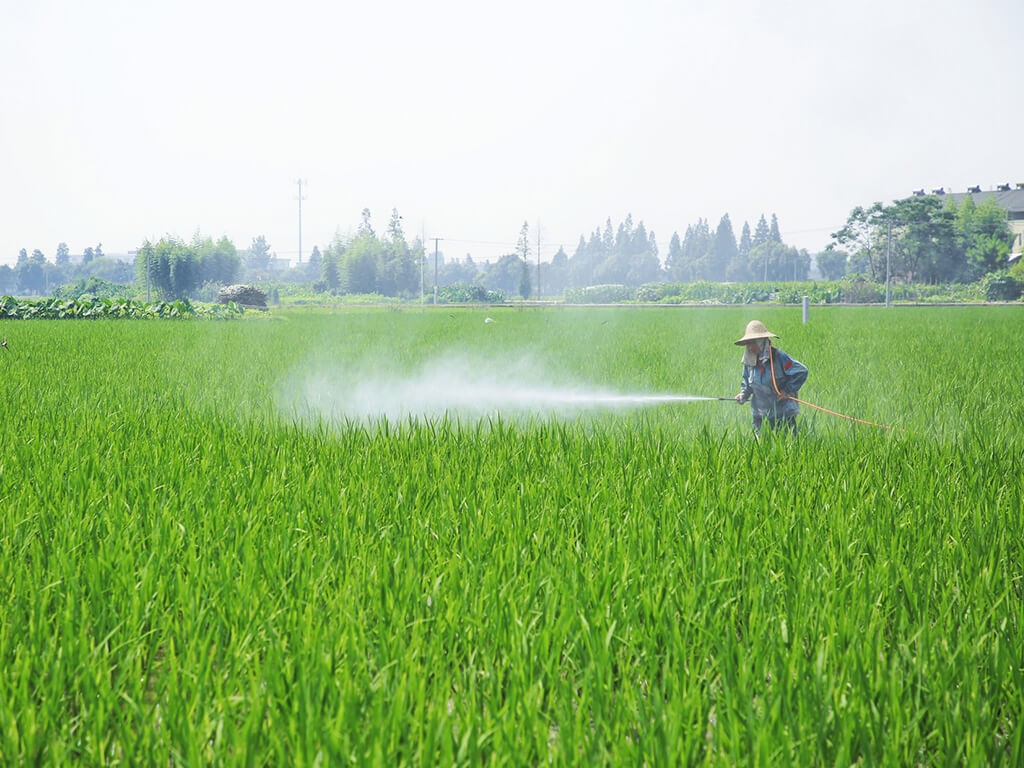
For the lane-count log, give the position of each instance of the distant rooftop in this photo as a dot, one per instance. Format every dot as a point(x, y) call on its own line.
point(1007, 196)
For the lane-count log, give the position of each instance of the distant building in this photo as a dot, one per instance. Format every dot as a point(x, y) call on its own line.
point(1008, 197)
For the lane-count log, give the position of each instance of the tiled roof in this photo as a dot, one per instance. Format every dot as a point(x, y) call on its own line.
point(1012, 200)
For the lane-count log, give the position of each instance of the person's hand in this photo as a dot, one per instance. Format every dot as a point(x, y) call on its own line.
point(785, 396)
point(740, 398)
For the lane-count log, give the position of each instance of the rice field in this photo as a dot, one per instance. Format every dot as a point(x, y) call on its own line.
point(207, 558)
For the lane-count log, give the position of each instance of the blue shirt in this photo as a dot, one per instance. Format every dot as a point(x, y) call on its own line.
point(790, 375)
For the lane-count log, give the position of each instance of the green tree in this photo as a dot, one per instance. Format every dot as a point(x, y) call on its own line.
point(783, 262)
point(456, 271)
point(739, 269)
point(773, 232)
point(359, 264)
point(831, 263)
point(228, 262)
point(364, 227)
point(330, 272)
point(63, 256)
point(674, 266)
point(504, 275)
point(8, 280)
point(219, 262)
point(398, 274)
point(395, 227)
point(557, 275)
point(38, 257)
point(641, 241)
point(173, 267)
point(31, 277)
point(585, 259)
point(184, 273)
point(745, 243)
point(697, 244)
point(22, 257)
point(624, 235)
point(931, 240)
point(523, 243)
point(259, 254)
point(924, 246)
point(608, 238)
point(525, 286)
point(862, 236)
point(107, 268)
point(88, 255)
point(761, 234)
point(418, 253)
point(723, 251)
point(984, 236)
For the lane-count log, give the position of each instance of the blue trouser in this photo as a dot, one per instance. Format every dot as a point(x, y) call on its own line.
point(785, 423)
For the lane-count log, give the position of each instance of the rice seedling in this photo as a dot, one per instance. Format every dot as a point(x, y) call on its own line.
point(199, 567)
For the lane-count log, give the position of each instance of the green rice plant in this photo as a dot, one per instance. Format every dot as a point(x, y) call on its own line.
point(195, 571)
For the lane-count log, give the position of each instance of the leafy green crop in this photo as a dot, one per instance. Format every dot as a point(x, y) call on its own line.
point(121, 308)
point(192, 573)
point(852, 289)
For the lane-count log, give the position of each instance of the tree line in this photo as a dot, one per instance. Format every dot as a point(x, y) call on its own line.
point(33, 273)
point(925, 239)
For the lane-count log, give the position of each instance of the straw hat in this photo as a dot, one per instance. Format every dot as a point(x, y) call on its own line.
point(755, 331)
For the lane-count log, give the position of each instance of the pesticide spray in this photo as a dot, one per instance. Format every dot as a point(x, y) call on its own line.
point(460, 389)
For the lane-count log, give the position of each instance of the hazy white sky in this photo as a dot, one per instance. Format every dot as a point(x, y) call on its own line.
point(127, 120)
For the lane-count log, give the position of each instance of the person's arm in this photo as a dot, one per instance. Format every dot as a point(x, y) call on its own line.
point(745, 387)
point(795, 373)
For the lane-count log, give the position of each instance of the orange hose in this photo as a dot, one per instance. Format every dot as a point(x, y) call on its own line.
point(771, 365)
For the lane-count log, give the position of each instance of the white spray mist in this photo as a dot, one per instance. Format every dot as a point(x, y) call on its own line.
point(452, 386)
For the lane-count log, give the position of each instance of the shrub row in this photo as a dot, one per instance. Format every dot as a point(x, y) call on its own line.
point(852, 289)
point(468, 293)
point(55, 308)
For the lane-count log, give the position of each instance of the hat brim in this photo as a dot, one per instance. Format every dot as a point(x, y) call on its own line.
point(755, 337)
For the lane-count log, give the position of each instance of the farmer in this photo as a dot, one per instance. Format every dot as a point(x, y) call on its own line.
point(771, 378)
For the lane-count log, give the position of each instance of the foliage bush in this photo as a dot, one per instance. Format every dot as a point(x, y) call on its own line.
point(95, 287)
point(82, 308)
point(852, 289)
point(208, 292)
point(468, 293)
point(652, 292)
point(1002, 286)
point(859, 288)
point(600, 294)
point(365, 299)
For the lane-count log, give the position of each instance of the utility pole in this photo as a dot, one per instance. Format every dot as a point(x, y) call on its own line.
point(301, 198)
point(538, 260)
point(435, 239)
point(888, 256)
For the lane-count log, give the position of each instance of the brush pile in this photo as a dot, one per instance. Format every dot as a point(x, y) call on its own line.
point(248, 296)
